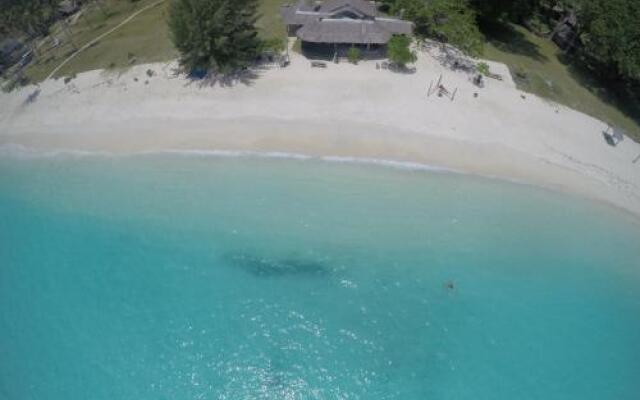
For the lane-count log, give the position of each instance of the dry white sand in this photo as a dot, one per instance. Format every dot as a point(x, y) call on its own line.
point(343, 110)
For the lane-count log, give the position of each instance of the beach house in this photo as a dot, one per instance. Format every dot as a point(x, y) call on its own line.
point(333, 26)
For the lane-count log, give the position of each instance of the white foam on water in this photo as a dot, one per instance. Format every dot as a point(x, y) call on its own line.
point(21, 151)
point(13, 150)
point(407, 165)
point(24, 152)
point(228, 153)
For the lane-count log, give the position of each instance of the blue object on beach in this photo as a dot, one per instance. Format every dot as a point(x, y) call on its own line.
point(198, 73)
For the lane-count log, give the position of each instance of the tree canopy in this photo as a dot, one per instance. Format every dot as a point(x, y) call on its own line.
point(514, 10)
point(399, 51)
point(217, 35)
point(608, 30)
point(452, 21)
point(610, 35)
point(28, 17)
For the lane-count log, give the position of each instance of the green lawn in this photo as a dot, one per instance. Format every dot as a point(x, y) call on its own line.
point(144, 39)
point(270, 24)
point(93, 22)
point(536, 65)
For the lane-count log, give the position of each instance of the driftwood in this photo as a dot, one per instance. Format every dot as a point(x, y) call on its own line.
point(494, 76)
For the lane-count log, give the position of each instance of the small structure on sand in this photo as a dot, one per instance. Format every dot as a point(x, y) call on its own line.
point(441, 90)
point(565, 33)
point(613, 135)
point(330, 28)
point(68, 7)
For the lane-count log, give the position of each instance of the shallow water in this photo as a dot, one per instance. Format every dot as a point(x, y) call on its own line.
point(196, 277)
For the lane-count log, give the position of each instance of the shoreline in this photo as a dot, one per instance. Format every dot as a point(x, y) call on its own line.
point(344, 111)
point(358, 146)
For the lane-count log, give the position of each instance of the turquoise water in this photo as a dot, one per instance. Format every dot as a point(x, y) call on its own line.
point(199, 277)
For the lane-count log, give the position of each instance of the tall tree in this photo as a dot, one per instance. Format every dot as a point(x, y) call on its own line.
point(215, 34)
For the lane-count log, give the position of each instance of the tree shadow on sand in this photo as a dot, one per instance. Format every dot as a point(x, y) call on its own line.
point(508, 39)
point(402, 69)
point(32, 97)
point(622, 95)
point(210, 79)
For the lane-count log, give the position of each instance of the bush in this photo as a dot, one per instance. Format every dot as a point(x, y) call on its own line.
point(69, 78)
point(276, 45)
point(297, 46)
point(451, 21)
point(399, 52)
point(354, 55)
point(483, 68)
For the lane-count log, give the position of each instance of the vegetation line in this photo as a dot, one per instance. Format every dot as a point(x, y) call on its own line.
point(92, 42)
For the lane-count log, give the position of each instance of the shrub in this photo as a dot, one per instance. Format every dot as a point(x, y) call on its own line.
point(354, 55)
point(483, 68)
point(277, 45)
point(399, 52)
point(69, 78)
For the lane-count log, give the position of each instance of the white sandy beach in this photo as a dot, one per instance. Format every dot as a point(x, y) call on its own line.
point(343, 110)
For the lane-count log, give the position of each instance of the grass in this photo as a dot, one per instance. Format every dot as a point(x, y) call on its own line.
point(270, 24)
point(539, 67)
point(297, 46)
point(145, 39)
point(91, 24)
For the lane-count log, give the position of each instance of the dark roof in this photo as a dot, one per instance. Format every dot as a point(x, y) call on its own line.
point(9, 46)
point(68, 6)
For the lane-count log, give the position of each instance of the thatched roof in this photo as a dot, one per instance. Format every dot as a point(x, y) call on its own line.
point(304, 11)
point(343, 21)
point(396, 26)
point(344, 31)
point(335, 6)
point(294, 16)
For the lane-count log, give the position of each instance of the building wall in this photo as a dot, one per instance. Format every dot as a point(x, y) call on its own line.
point(327, 51)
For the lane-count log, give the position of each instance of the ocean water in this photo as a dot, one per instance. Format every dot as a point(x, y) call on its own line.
point(206, 277)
